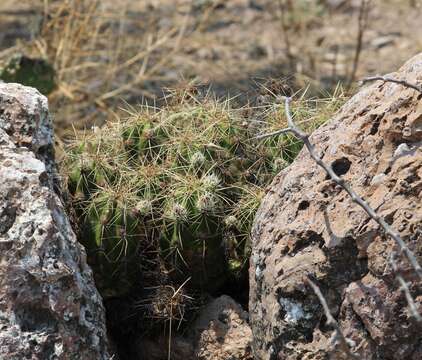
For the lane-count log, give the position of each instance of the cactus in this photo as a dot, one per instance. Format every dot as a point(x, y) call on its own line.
point(187, 179)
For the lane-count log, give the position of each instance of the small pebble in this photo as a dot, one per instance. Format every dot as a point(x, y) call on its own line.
point(378, 179)
point(402, 150)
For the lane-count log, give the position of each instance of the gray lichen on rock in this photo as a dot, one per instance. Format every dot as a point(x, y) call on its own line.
point(49, 306)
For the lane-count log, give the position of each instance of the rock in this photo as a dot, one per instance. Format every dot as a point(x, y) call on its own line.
point(306, 225)
point(49, 306)
point(222, 332)
point(335, 3)
point(25, 119)
point(256, 5)
point(383, 41)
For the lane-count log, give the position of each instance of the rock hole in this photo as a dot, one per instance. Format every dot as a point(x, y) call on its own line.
point(43, 178)
point(399, 120)
point(375, 125)
point(7, 218)
point(34, 319)
point(304, 240)
point(412, 178)
point(389, 219)
point(341, 166)
point(303, 205)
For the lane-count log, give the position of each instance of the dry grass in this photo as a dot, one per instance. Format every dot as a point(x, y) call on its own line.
point(99, 59)
point(101, 55)
point(137, 193)
point(107, 52)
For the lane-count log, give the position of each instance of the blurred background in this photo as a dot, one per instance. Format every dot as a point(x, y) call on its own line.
point(91, 57)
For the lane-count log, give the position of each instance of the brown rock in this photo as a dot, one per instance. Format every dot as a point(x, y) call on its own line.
point(49, 306)
point(308, 225)
point(222, 332)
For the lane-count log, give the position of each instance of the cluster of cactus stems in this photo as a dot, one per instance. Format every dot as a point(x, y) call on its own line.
point(188, 178)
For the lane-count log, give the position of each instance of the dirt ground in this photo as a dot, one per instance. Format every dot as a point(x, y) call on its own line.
point(242, 40)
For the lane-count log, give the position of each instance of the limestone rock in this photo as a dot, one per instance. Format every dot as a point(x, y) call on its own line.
point(49, 306)
point(307, 225)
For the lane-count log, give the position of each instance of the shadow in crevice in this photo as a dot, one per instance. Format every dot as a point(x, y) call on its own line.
point(343, 256)
point(335, 240)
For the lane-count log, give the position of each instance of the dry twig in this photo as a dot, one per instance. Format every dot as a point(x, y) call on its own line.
point(274, 133)
point(171, 316)
point(354, 196)
point(396, 81)
point(365, 206)
point(362, 26)
point(284, 7)
point(339, 336)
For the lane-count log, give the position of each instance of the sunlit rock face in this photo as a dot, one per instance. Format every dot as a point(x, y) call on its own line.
point(49, 306)
point(308, 226)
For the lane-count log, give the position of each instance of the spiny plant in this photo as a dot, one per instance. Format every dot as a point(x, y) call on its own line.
point(187, 178)
point(309, 113)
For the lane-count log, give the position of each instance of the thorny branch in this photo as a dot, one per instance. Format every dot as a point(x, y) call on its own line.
point(354, 196)
point(363, 204)
point(331, 321)
point(392, 80)
point(339, 336)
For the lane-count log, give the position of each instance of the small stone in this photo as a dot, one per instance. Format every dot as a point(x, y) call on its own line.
point(226, 336)
point(402, 150)
point(378, 179)
point(383, 41)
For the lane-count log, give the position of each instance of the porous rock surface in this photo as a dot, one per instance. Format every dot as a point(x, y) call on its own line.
point(307, 225)
point(49, 306)
point(221, 332)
